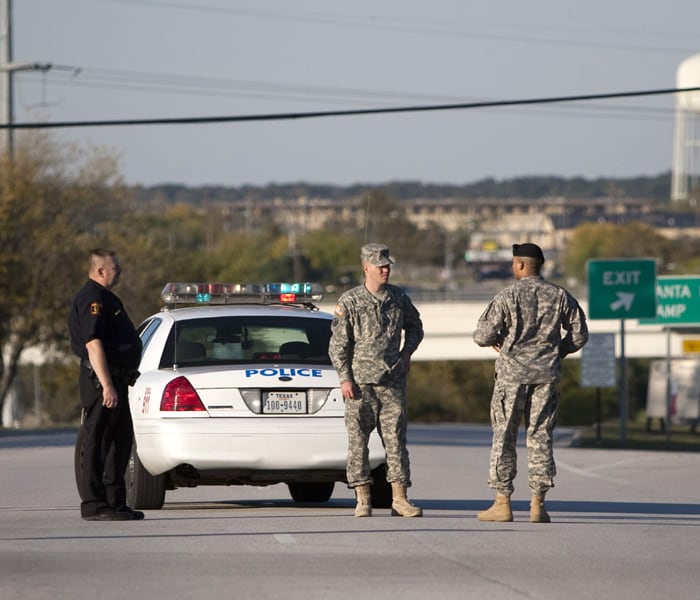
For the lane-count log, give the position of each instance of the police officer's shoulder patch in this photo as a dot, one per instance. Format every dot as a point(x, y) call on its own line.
point(339, 310)
point(96, 308)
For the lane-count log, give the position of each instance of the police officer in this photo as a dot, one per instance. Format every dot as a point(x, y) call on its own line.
point(532, 324)
point(366, 352)
point(109, 348)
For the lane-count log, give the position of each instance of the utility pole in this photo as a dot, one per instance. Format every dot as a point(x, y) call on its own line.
point(7, 70)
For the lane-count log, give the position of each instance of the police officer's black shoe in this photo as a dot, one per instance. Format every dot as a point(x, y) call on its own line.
point(109, 514)
point(134, 515)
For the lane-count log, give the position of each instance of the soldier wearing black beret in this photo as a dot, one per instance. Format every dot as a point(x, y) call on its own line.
point(528, 250)
point(532, 324)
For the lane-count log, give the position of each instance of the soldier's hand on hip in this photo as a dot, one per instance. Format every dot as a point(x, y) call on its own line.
point(348, 390)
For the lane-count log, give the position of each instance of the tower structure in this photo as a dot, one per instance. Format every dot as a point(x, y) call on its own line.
point(685, 179)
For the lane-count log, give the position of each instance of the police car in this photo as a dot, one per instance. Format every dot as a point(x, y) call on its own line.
point(237, 388)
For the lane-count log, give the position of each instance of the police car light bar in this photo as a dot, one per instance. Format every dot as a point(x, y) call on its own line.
point(240, 293)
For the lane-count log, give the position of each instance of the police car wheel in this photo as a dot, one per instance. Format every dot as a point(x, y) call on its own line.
point(380, 489)
point(143, 490)
point(311, 491)
point(78, 460)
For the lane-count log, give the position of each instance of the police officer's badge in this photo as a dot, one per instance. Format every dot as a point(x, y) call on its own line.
point(96, 309)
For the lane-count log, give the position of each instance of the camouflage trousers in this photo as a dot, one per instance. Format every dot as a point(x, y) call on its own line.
point(384, 408)
point(537, 405)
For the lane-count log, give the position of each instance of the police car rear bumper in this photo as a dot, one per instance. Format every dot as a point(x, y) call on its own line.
point(268, 444)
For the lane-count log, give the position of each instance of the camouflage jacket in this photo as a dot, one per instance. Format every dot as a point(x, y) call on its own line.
point(535, 323)
point(367, 333)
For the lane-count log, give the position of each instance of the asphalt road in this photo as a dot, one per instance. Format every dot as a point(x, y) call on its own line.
point(626, 525)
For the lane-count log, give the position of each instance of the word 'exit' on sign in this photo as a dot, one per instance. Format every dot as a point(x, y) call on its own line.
point(621, 288)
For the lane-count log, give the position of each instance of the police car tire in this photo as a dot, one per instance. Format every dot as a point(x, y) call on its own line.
point(316, 491)
point(78, 460)
point(143, 490)
point(380, 489)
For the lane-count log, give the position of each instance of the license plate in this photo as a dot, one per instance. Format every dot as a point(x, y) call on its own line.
point(284, 402)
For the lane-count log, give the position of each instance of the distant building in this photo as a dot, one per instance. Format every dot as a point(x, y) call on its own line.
point(492, 224)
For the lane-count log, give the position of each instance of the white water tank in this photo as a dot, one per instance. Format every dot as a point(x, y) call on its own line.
point(685, 179)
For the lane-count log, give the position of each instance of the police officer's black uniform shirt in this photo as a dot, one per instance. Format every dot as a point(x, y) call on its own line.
point(98, 314)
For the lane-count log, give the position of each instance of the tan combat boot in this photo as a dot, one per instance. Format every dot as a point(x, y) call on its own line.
point(363, 508)
point(537, 512)
point(401, 506)
point(499, 511)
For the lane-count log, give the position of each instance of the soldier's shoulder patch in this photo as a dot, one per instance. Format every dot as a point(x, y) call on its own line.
point(339, 310)
point(96, 308)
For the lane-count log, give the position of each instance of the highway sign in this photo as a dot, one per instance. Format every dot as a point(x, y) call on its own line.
point(622, 288)
point(598, 361)
point(677, 300)
point(691, 346)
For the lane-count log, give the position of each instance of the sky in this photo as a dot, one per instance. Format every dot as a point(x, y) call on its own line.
point(151, 59)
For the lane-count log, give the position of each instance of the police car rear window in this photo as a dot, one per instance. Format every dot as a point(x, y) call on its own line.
point(232, 340)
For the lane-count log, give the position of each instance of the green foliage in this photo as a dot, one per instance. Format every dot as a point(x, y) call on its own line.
point(246, 257)
point(460, 391)
point(330, 255)
point(450, 391)
point(607, 240)
point(54, 206)
point(579, 406)
point(386, 222)
point(51, 388)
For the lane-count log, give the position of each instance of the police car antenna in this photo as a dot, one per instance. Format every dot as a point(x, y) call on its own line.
point(369, 198)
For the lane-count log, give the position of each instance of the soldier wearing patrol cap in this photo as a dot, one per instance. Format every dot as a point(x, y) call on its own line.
point(532, 324)
point(109, 348)
point(366, 350)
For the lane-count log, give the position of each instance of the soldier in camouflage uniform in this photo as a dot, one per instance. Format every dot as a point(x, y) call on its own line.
point(532, 324)
point(366, 351)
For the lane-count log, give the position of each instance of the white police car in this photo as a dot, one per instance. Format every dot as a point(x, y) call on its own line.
point(239, 390)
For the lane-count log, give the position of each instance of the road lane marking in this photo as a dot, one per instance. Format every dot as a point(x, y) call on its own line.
point(587, 473)
point(284, 538)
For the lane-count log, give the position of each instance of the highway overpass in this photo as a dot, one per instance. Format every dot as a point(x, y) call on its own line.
point(449, 327)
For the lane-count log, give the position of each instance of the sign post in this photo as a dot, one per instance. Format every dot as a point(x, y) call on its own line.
point(678, 303)
point(622, 289)
point(598, 369)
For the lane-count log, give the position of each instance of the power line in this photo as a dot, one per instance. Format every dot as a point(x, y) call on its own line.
point(133, 81)
point(345, 113)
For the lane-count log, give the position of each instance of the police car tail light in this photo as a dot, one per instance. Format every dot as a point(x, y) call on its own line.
point(179, 396)
point(237, 293)
point(252, 399)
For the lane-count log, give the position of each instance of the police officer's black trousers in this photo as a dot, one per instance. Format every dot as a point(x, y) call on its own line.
point(106, 447)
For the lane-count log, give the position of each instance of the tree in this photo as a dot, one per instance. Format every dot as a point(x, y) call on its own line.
point(247, 257)
point(334, 258)
point(607, 240)
point(55, 204)
point(386, 222)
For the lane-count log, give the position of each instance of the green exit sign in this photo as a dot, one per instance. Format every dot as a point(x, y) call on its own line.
point(678, 300)
point(622, 288)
